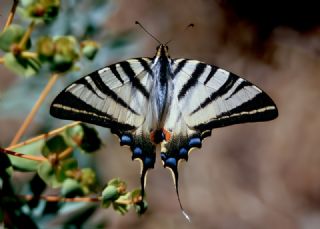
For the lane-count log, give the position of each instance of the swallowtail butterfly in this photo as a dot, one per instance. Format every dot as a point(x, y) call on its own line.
point(172, 102)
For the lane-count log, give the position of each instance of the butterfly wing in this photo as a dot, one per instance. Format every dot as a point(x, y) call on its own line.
point(207, 97)
point(218, 98)
point(114, 97)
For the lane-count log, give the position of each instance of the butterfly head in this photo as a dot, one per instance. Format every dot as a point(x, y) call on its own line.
point(162, 51)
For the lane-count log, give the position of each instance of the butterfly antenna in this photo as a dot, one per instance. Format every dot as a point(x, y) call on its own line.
point(144, 29)
point(191, 25)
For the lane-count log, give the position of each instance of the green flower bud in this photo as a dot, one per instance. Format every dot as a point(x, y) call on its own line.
point(109, 194)
point(45, 48)
point(89, 49)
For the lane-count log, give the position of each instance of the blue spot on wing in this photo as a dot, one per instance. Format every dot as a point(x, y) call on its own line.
point(195, 142)
point(183, 153)
point(171, 162)
point(137, 152)
point(149, 162)
point(126, 139)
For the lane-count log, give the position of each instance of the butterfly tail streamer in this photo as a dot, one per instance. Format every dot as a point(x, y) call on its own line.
point(143, 180)
point(177, 191)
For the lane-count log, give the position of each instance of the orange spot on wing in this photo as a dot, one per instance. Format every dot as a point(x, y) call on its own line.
point(167, 134)
point(152, 133)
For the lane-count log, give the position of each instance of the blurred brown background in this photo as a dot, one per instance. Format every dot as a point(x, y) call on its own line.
point(263, 175)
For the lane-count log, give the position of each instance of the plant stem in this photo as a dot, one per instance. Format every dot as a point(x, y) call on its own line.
point(124, 202)
point(29, 54)
point(65, 153)
point(21, 155)
point(63, 199)
point(11, 14)
point(34, 110)
point(26, 35)
point(43, 136)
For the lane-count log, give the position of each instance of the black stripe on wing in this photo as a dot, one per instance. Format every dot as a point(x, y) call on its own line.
point(232, 78)
point(181, 64)
point(241, 86)
point(107, 91)
point(125, 65)
point(145, 65)
point(115, 72)
point(211, 74)
point(68, 106)
point(193, 80)
point(259, 108)
point(84, 82)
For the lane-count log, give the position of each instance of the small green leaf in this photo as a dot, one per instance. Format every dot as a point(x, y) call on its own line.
point(61, 63)
point(25, 3)
point(73, 135)
point(109, 194)
point(22, 66)
point(88, 180)
point(67, 46)
point(90, 141)
point(12, 35)
point(120, 184)
point(120, 207)
point(64, 167)
point(140, 206)
point(45, 48)
point(47, 172)
point(71, 188)
point(40, 10)
point(54, 145)
point(89, 49)
point(22, 164)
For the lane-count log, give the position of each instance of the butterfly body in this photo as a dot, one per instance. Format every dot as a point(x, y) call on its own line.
point(172, 102)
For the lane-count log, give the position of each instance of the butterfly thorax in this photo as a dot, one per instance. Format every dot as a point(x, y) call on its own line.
point(162, 87)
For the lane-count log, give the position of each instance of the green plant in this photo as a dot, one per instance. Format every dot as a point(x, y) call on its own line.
point(51, 156)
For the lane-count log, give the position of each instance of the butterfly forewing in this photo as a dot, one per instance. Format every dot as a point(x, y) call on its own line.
point(108, 97)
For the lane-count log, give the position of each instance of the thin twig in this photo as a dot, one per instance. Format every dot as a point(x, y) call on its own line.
point(34, 110)
point(72, 199)
point(63, 199)
point(65, 153)
point(43, 136)
point(21, 155)
point(11, 14)
point(26, 54)
point(124, 202)
point(26, 35)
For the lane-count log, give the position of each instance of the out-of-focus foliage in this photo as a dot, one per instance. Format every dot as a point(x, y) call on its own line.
point(56, 37)
point(11, 36)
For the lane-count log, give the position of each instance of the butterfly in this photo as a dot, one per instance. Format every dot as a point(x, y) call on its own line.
point(171, 102)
